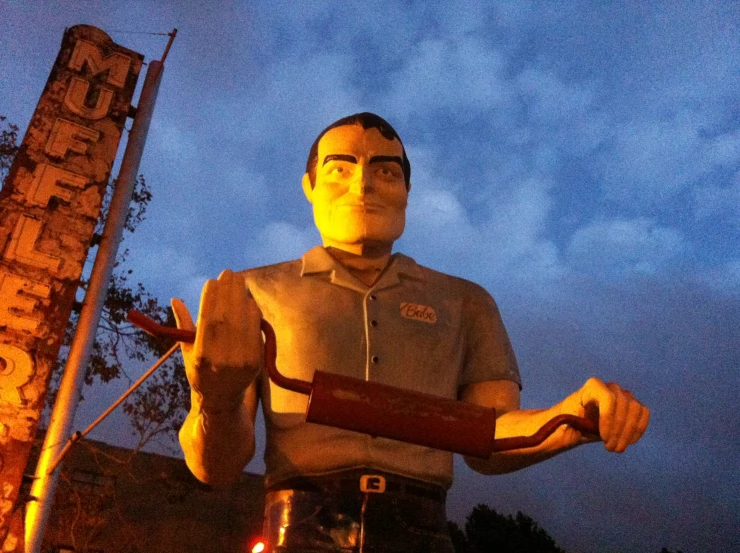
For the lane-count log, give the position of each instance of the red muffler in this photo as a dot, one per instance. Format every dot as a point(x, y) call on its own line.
point(389, 412)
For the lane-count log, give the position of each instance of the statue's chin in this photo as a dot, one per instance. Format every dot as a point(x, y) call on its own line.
point(358, 230)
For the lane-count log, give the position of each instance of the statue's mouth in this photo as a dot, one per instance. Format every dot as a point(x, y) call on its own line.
point(368, 207)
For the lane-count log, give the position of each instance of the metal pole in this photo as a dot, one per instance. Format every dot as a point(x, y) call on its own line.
point(172, 35)
point(62, 417)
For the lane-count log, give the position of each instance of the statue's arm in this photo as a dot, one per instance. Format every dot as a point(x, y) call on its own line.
point(219, 443)
point(504, 396)
point(222, 365)
point(621, 418)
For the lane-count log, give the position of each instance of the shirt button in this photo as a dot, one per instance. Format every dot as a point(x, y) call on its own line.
point(373, 297)
point(373, 323)
point(375, 359)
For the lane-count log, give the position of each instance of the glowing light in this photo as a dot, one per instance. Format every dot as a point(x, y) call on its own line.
point(258, 547)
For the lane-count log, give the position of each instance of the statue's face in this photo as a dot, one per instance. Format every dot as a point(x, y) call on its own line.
point(359, 196)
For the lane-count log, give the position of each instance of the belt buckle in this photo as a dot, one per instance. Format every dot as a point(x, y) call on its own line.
point(372, 483)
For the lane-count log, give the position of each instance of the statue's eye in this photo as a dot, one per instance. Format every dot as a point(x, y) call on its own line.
point(386, 172)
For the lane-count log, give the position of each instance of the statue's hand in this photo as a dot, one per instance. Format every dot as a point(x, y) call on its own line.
point(621, 418)
point(226, 355)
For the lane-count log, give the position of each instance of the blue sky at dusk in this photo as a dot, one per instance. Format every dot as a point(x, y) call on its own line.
point(580, 160)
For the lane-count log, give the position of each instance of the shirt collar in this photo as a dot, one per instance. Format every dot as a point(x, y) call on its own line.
point(317, 261)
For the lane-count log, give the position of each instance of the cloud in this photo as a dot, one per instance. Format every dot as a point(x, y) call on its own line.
point(435, 72)
point(502, 245)
point(560, 113)
point(279, 241)
point(551, 98)
point(168, 271)
point(240, 182)
point(624, 245)
point(651, 161)
point(516, 230)
point(313, 88)
point(712, 200)
point(173, 140)
point(724, 278)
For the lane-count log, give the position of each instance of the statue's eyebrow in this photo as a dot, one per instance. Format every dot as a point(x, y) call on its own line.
point(381, 159)
point(339, 157)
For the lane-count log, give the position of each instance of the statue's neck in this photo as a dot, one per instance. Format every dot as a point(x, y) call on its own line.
point(366, 267)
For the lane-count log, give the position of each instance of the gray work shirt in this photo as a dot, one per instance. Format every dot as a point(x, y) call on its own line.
point(415, 328)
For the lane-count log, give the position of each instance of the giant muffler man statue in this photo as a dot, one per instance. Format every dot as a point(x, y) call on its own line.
point(354, 308)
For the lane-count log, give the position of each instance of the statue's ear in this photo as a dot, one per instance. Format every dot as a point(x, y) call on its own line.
point(307, 188)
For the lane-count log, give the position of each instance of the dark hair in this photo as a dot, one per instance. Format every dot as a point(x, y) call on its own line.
point(367, 121)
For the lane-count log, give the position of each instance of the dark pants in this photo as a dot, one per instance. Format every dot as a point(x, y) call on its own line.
point(333, 513)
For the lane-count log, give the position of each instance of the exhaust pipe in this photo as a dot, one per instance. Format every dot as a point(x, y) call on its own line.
point(389, 412)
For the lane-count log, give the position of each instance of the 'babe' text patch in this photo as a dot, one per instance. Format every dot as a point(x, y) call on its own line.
point(422, 313)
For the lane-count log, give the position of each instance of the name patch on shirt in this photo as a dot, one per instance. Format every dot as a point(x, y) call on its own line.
point(422, 313)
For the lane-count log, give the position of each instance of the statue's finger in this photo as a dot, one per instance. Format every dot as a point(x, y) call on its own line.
point(642, 424)
point(183, 319)
point(595, 392)
point(634, 410)
point(619, 417)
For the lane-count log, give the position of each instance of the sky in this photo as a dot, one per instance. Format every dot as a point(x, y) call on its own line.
point(580, 160)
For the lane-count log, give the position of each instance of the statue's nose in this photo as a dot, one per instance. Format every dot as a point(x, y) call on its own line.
point(361, 181)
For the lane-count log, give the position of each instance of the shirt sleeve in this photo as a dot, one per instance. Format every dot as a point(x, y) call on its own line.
point(488, 351)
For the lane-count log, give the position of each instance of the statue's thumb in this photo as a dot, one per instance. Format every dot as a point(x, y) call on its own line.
point(182, 315)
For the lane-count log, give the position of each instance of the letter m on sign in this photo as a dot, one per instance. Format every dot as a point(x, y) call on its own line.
point(116, 65)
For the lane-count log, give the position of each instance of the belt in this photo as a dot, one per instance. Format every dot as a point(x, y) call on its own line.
point(363, 481)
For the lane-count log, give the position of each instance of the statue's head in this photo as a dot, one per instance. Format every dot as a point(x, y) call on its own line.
point(358, 179)
point(365, 120)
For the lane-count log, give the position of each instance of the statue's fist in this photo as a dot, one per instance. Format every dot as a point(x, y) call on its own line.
point(622, 419)
point(226, 355)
